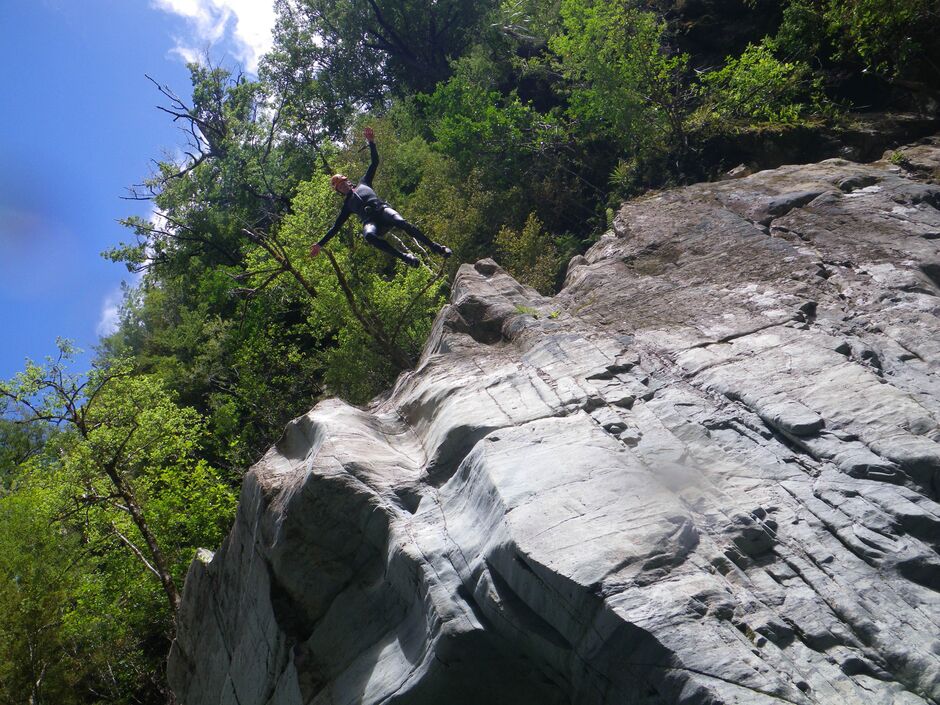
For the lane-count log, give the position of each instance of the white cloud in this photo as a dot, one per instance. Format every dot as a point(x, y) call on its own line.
point(189, 55)
point(246, 23)
point(158, 221)
point(110, 313)
point(157, 218)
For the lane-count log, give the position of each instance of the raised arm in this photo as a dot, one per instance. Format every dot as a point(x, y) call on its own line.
point(370, 137)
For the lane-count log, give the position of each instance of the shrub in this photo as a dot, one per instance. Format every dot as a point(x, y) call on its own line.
point(757, 85)
point(530, 255)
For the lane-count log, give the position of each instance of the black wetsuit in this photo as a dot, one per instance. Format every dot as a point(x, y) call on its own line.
point(376, 215)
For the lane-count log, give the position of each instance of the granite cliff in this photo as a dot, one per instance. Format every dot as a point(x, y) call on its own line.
point(707, 471)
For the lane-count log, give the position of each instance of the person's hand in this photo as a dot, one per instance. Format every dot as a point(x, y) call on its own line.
point(315, 249)
point(369, 134)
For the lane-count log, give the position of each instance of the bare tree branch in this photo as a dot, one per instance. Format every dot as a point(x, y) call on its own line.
point(136, 551)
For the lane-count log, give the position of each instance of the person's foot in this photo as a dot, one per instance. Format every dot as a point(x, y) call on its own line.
point(411, 260)
point(443, 250)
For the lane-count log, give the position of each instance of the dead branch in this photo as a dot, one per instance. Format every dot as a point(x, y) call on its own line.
point(136, 551)
point(370, 323)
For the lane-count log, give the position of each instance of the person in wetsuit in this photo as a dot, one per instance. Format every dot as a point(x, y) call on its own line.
point(376, 215)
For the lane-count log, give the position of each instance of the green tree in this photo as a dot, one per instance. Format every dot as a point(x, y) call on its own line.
point(38, 583)
point(127, 457)
point(891, 37)
point(220, 218)
point(479, 126)
point(757, 85)
point(894, 39)
point(503, 150)
point(19, 441)
point(625, 83)
point(530, 22)
point(363, 51)
point(97, 529)
point(530, 255)
point(237, 352)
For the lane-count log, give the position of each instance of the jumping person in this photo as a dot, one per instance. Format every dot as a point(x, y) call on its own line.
point(376, 215)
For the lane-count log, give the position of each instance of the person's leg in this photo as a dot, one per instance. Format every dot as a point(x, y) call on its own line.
point(394, 219)
point(370, 231)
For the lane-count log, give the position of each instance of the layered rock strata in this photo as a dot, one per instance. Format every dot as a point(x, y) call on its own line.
point(705, 472)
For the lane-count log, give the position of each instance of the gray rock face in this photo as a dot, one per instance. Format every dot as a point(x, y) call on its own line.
point(706, 472)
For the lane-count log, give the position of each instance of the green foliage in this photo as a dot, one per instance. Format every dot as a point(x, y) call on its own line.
point(355, 369)
point(893, 38)
point(123, 433)
point(897, 158)
point(240, 360)
point(756, 85)
point(462, 205)
point(37, 589)
point(477, 124)
point(624, 82)
point(530, 255)
point(475, 121)
point(635, 174)
point(889, 36)
point(82, 621)
point(239, 170)
point(463, 212)
point(100, 527)
point(357, 52)
point(530, 21)
point(503, 159)
point(19, 441)
point(802, 34)
point(200, 320)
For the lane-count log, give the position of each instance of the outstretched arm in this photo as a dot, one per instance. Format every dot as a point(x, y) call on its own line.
point(370, 137)
point(340, 219)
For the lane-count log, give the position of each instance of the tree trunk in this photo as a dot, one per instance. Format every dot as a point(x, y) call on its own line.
point(159, 561)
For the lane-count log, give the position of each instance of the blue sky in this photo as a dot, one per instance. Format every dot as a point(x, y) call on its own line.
point(78, 126)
